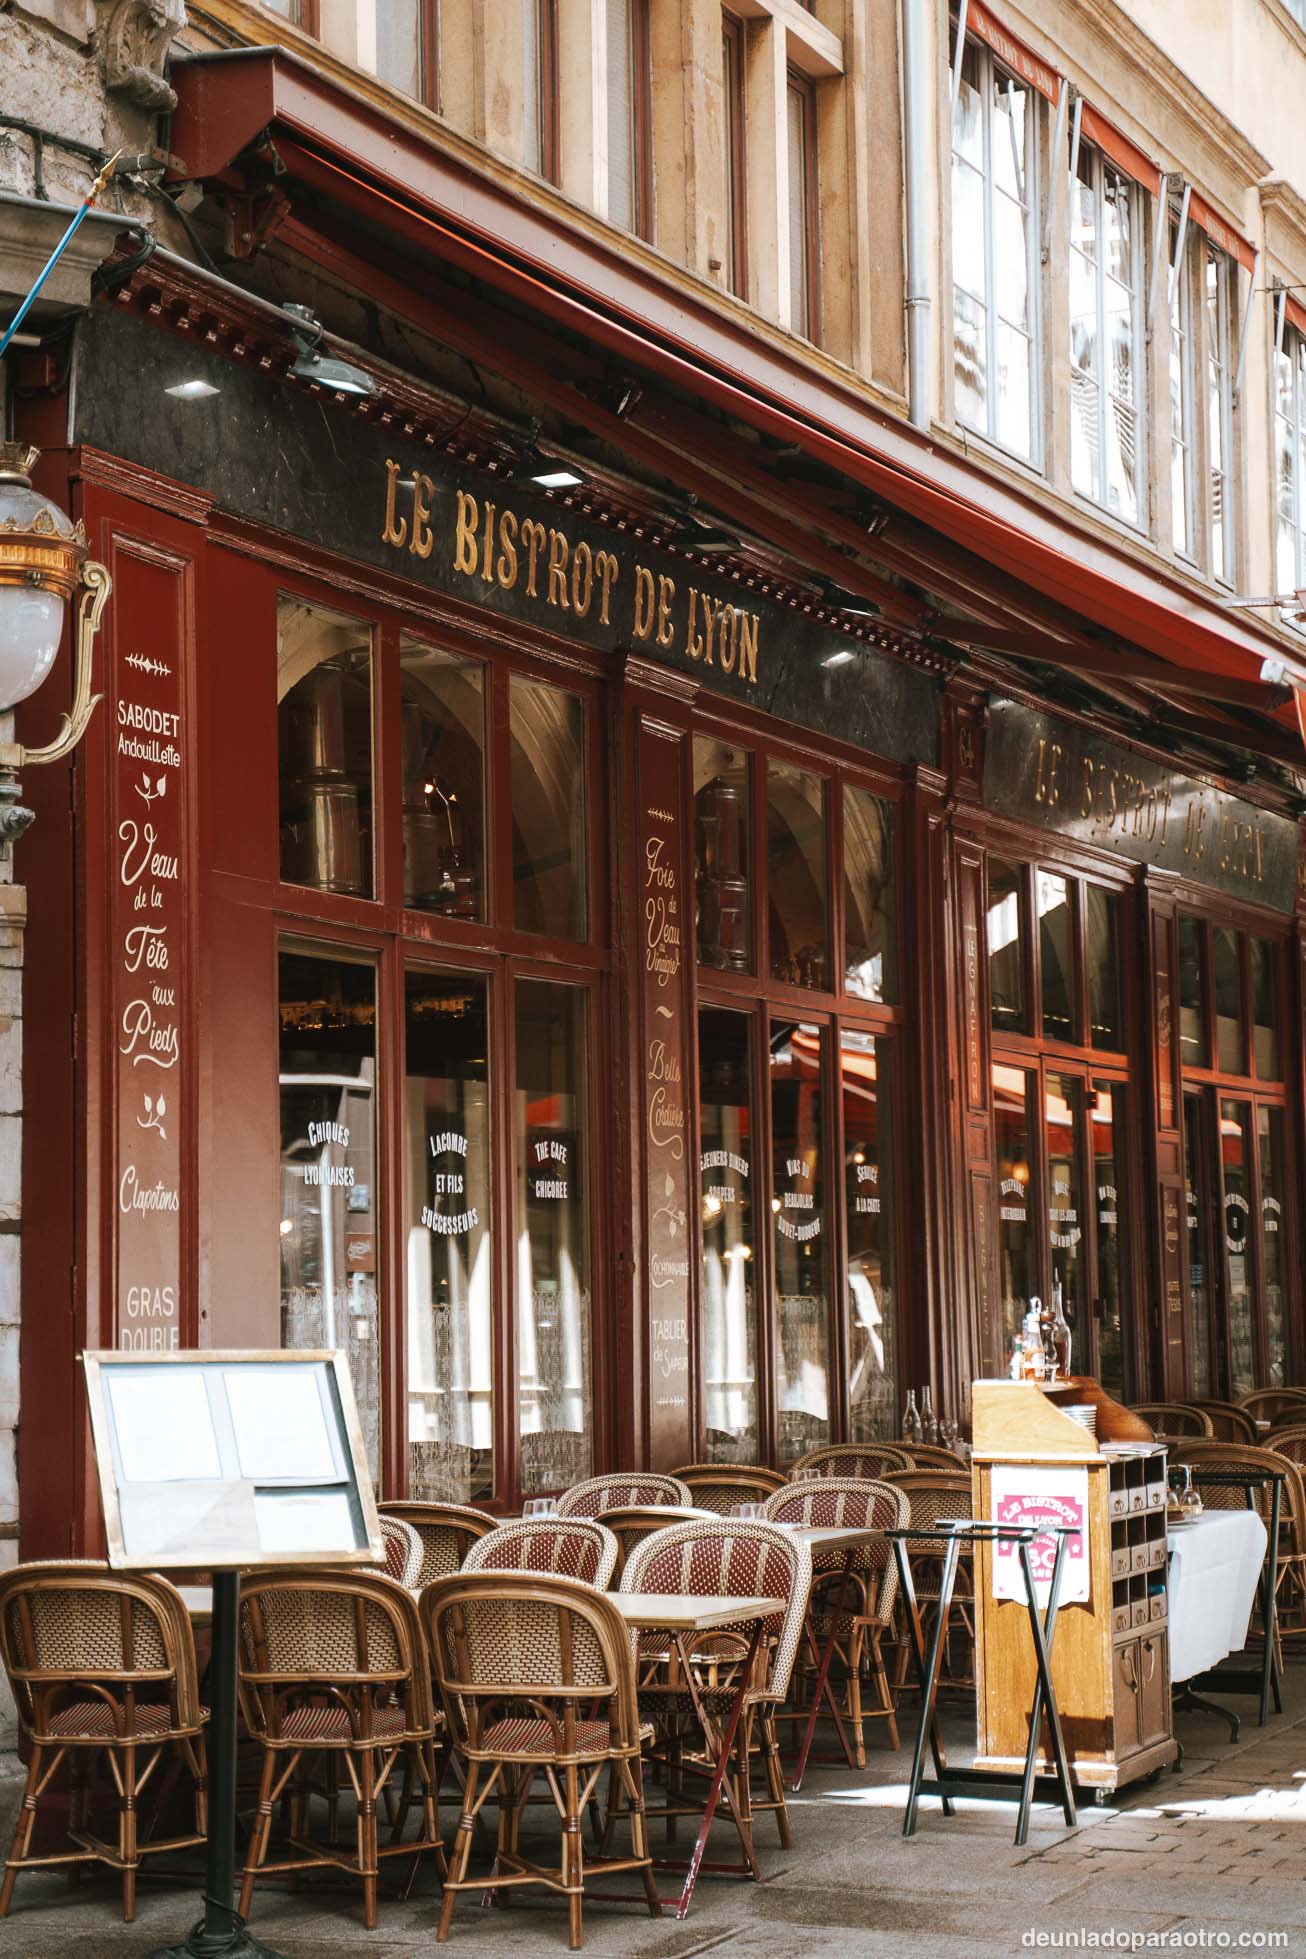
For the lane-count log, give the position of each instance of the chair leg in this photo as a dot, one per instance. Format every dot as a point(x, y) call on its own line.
point(22, 1839)
point(127, 1832)
point(573, 1857)
point(462, 1849)
point(633, 1777)
point(856, 1650)
point(367, 1845)
point(775, 1780)
point(258, 1841)
point(882, 1687)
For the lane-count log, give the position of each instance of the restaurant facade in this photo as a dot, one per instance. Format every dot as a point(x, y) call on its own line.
point(653, 972)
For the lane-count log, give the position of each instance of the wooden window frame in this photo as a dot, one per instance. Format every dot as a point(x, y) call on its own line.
point(801, 85)
point(546, 16)
point(735, 97)
point(1101, 169)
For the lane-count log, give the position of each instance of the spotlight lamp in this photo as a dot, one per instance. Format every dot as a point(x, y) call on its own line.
point(44, 568)
point(327, 371)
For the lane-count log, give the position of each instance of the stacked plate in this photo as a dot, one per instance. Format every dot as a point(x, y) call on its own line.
point(1083, 1412)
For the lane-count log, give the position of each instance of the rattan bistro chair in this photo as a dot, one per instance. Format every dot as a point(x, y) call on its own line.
point(599, 1493)
point(1275, 1404)
point(938, 1496)
point(840, 1459)
point(1290, 1441)
point(538, 1678)
point(1232, 1458)
point(720, 1486)
point(403, 1552)
point(929, 1455)
point(333, 1668)
point(1175, 1418)
point(867, 1611)
point(1230, 1423)
point(740, 1558)
point(447, 1532)
point(561, 1547)
point(100, 1663)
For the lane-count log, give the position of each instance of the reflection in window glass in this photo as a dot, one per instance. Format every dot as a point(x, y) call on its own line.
point(552, 1261)
point(1183, 399)
point(795, 813)
point(1056, 936)
point(324, 738)
point(399, 50)
point(1063, 1115)
point(1230, 1033)
point(1014, 1136)
point(1105, 335)
point(539, 23)
point(1236, 1157)
point(328, 1169)
point(1265, 1007)
point(1193, 1049)
point(729, 1335)
point(721, 807)
point(1102, 953)
point(1110, 1131)
point(869, 897)
point(548, 809)
point(1219, 280)
point(443, 698)
point(448, 1254)
point(627, 64)
point(1290, 457)
point(798, 1238)
point(1269, 1134)
point(1008, 993)
point(866, 1085)
point(801, 128)
point(1197, 1189)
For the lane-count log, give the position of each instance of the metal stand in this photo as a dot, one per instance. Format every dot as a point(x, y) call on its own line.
point(1019, 1786)
point(1263, 1680)
point(221, 1931)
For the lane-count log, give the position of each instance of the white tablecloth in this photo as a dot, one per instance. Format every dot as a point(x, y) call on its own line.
point(1214, 1564)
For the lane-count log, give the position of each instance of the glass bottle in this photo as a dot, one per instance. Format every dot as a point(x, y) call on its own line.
point(1060, 1337)
point(1016, 1365)
point(911, 1421)
point(929, 1420)
point(1035, 1358)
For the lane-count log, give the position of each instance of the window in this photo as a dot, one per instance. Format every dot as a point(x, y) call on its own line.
point(870, 962)
point(404, 51)
point(302, 13)
point(735, 136)
point(1183, 403)
point(1056, 937)
point(994, 257)
point(548, 809)
point(1106, 446)
point(443, 698)
point(1290, 462)
point(796, 842)
point(802, 1308)
point(804, 209)
point(1008, 995)
point(870, 1210)
point(727, 1171)
point(1219, 291)
point(324, 738)
point(630, 160)
point(540, 86)
point(722, 778)
point(1015, 1149)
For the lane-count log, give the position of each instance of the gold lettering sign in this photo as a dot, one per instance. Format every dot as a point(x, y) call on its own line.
point(490, 545)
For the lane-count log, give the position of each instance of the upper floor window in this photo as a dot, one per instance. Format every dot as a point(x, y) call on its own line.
point(1106, 445)
point(540, 86)
point(1290, 462)
point(399, 36)
point(630, 116)
point(994, 255)
point(735, 105)
point(804, 209)
point(1218, 293)
point(1183, 405)
point(1203, 363)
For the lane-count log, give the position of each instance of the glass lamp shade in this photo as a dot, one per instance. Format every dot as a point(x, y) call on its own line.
point(31, 626)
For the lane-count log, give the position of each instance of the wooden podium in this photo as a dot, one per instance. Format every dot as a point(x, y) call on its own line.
point(1111, 1660)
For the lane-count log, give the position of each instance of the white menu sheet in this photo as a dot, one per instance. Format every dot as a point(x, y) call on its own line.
point(305, 1520)
point(163, 1425)
point(280, 1424)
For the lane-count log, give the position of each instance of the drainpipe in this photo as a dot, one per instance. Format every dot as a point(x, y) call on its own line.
point(916, 124)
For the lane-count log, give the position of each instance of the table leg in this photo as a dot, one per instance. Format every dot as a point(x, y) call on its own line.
point(929, 1676)
point(822, 1691)
point(718, 1777)
point(1270, 1609)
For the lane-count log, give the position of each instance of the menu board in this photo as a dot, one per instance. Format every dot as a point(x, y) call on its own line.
point(147, 910)
point(214, 1460)
point(664, 1033)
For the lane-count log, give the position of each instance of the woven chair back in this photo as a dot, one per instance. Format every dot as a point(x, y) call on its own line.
point(1275, 1404)
point(1231, 1458)
point(1172, 1418)
point(720, 1486)
point(331, 1636)
point(1230, 1423)
point(848, 1503)
point(929, 1455)
point(75, 1631)
point(567, 1547)
point(735, 1558)
point(447, 1532)
point(600, 1493)
point(1290, 1441)
point(403, 1552)
point(873, 1459)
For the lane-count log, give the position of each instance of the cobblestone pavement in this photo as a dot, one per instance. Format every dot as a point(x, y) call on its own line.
point(1196, 1859)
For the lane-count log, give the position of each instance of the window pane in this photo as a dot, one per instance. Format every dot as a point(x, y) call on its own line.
point(729, 1337)
point(548, 809)
point(1008, 991)
point(1102, 954)
point(553, 1258)
point(722, 801)
point(1193, 1048)
point(732, 62)
point(1265, 1007)
point(1236, 1157)
point(1197, 1173)
point(324, 734)
point(798, 1240)
point(795, 813)
point(1110, 1131)
point(870, 906)
point(1057, 947)
point(1230, 1034)
point(1269, 1130)
point(867, 1088)
point(443, 699)
point(1063, 1116)
point(621, 113)
point(399, 45)
point(1013, 1127)
point(800, 188)
point(970, 360)
point(448, 1250)
point(329, 1222)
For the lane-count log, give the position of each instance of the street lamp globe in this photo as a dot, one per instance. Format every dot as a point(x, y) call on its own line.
point(41, 558)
